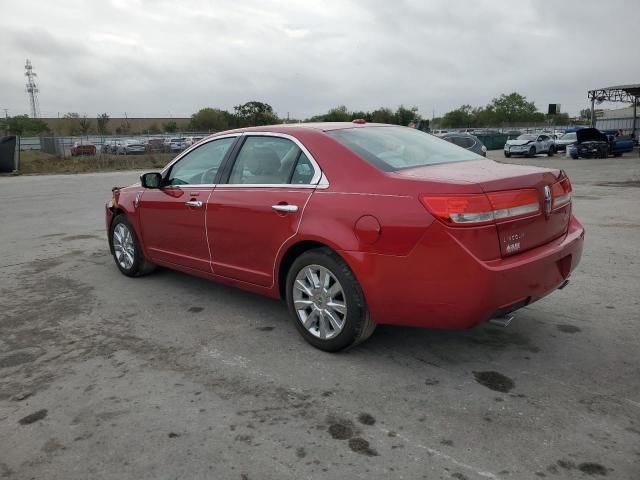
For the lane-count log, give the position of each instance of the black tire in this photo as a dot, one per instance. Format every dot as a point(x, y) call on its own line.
point(140, 266)
point(532, 152)
point(358, 326)
point(507, 154)
point(551, 151)
point(617, 155)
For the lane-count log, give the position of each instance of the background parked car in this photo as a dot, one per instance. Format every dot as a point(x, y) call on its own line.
point(79, 148)
point(530, 144)
point(591, 143)
point(466, 140)
point(618, 142)
point(130, 146)
point(191, 140)
point(154, 145)
point(175, 144)
point(565, 141)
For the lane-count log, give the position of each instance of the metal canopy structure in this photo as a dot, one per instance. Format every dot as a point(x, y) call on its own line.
point(619, 93)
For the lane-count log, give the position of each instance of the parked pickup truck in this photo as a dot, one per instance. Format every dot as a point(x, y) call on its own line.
point(592, 143)
point(618, 144)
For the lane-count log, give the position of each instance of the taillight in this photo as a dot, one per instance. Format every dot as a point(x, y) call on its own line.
point(482, 209)
point(561, 193)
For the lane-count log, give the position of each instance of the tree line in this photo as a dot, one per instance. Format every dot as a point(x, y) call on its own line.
point(507, 109)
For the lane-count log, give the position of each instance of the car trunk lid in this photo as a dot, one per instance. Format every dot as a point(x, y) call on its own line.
point(529, 206)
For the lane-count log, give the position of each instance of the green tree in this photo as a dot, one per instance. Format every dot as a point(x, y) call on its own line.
point(338, 114)
point(458, 118)
point(23, 125)
point(170, 127)
point(102, 120)
point(559, 119)
point(405, 116)
point(154, 129)
point(210, 119)
point(513, 108)
point(255, 113)
point(383, 115)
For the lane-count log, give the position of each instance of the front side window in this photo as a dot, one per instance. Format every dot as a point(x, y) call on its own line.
point(395, 148)
point(270, 161)
point(201, 165)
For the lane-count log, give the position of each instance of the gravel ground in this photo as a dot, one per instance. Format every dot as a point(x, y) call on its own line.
point(169, 376)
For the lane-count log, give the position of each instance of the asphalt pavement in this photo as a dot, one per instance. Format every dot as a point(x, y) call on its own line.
point(170, 376)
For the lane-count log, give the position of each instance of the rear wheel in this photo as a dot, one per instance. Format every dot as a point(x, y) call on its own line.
point(126, 249)
point(326, 301)
point(617, 154)
point(532, 152)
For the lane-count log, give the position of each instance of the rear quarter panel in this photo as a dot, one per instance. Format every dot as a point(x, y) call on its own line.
point(330, 217)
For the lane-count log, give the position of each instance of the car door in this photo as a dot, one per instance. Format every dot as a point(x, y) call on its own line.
point(173, 216)
point(259, 207)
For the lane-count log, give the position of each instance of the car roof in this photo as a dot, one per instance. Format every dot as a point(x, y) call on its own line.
point(292, 127)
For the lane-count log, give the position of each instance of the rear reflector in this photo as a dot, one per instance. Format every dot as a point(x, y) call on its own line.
point(561, 193)
point(461, 210)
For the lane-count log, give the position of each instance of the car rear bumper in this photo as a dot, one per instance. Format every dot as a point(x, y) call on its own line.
point(440, 284)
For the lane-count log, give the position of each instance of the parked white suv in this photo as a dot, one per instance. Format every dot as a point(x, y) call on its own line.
point(530, 144)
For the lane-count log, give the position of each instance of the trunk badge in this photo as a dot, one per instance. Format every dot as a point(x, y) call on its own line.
point(547, 200)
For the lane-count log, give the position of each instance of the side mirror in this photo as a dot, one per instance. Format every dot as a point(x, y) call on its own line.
point(151, 180)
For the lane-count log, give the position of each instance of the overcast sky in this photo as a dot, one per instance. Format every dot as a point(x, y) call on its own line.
point(157, 58)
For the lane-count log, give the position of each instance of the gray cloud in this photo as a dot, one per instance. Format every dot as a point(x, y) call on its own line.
point(148, 57)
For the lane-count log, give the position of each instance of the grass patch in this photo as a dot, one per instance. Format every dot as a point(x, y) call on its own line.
point(33, 161)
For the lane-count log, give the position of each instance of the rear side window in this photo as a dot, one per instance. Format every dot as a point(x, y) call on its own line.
point(303, 173)
point(395, 148)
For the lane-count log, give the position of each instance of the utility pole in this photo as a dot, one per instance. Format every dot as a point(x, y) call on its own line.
point(32, 89)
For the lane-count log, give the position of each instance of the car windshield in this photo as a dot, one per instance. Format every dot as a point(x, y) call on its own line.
point(527, 136)
point(395, 148)
point(569, 136)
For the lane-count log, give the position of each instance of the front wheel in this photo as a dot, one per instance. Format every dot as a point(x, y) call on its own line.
point(551, 151)
point(532, 152)
point(326, 301)
point(507, 154)
point(126, 249)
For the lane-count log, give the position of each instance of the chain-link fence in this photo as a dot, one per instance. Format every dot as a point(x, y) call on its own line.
point(71, 146)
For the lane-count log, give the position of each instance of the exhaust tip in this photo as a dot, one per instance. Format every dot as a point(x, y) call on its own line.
point(501, 321)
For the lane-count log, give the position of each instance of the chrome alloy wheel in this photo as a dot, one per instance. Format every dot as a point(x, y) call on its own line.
point(123, 246)
point(320, 302)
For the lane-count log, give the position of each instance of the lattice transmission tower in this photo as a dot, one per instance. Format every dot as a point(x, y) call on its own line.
point(32, 89)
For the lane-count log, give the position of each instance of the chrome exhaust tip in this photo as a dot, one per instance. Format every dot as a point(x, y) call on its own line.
point(502, 321)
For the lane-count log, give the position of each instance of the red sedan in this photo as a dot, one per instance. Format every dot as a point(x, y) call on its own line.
point(354, 225)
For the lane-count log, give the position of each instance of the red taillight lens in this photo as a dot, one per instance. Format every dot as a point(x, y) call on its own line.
point(461, 210)
point(561, 193)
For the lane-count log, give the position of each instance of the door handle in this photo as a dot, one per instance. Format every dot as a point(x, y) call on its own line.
point(193, 203)
point(285, 208)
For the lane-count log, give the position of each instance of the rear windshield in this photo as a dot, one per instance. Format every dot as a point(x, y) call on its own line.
point(395, 148)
